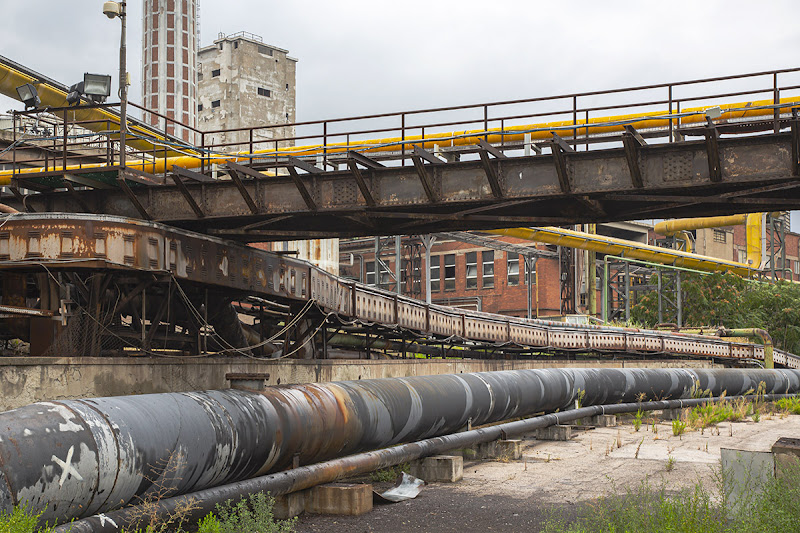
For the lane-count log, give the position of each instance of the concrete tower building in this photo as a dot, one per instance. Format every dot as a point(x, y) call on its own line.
point(243, 82)
point(169, 63)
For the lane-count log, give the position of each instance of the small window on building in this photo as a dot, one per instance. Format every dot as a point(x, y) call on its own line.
point(287, 86)
point(215, 103)
point(450, 272)
point(236, 44)
point(720, 235)
point(797, 267)
point(220, 46)
point(472, 270)
point(266, 50)
point(435, 262)
point(369, 266)
point(488, 269)
point(215, 73)
point(199, 107)
point(199, 76)
point(512, 269)
point(264, 92)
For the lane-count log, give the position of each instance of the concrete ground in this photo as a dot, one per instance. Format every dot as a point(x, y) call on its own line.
point(559, 476)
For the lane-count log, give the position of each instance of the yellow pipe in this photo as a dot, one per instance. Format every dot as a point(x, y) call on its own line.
point(753, 230)
point(671, 227)
point(52, 96)
point(595, 126)
point(686, 237)
point(633, 250)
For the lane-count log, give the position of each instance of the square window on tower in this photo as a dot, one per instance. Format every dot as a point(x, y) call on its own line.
point(264, 92)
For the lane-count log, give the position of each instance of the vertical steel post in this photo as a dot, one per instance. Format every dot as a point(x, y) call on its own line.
point(679, 298)
point(669, 97)
point(123, 86)
point(397, 261)
point(377, 262)
point(660, 298)
point(606, 282)
point(427, 242)
point(776, 99)
point(530, 262)
point(627, 293)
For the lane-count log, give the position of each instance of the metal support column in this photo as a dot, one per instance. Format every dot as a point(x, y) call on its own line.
point(398, 259)
point(427, 242)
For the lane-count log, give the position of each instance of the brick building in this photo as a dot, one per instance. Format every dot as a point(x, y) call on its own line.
point(494, 281)
point(169, 61)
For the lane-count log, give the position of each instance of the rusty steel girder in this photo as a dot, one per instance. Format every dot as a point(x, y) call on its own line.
point(75, 458)
point(755, 173)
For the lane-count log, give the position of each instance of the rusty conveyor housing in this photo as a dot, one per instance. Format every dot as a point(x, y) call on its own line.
point(47, 244)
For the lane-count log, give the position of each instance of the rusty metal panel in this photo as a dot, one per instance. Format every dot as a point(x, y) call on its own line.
point(568, 339)
point(411, 315)
point(606, 341)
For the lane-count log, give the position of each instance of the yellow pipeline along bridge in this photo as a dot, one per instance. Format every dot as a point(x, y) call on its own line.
point(628, 249)
point(537, 132)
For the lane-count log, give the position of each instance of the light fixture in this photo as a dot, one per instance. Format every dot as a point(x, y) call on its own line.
point(74, 94)
point(29, 95)
point(112, 9)
point(94, 87)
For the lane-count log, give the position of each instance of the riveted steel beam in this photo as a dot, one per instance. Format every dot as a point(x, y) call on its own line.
point(668, 170)
point(712, 152)
point(188, 196)
point(361, 182)
point(633, 141)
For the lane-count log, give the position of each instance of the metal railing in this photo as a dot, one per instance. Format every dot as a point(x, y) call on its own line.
point(268, 145)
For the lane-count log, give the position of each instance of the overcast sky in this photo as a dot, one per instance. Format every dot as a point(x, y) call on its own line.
point(359, 57)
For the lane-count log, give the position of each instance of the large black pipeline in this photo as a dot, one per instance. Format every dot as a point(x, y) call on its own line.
point(203, 502)
point(77, 458)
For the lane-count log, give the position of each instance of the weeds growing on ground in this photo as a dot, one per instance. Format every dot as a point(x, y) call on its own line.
point(20, 520)
point(390, 474)
point(775, 508)
point(789, 405)
point(252, 514)
point(678, 427)
point(637, 420)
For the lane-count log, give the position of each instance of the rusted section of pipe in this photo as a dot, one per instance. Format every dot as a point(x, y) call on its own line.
point(77, 458)
point(203, 502)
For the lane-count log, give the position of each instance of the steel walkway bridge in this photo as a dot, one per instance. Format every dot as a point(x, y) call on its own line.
point(677, 150)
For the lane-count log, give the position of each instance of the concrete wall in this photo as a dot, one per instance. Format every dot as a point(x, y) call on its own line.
point(25, 380)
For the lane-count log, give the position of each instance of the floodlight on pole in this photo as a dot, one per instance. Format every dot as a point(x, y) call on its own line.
point(29, 95)
point(117, 10)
